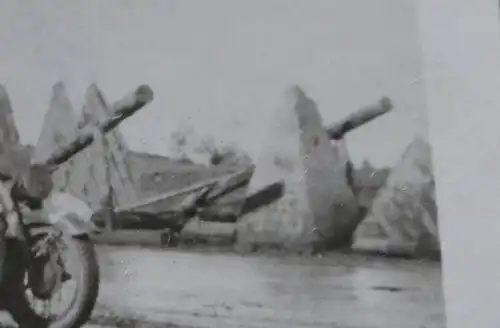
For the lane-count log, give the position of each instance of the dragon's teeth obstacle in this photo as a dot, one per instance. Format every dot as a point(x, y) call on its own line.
point(318, 204)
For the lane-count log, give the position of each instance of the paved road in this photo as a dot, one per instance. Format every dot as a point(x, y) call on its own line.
point(150, 288)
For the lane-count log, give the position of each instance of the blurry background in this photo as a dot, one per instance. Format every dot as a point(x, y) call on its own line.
point(219, 68)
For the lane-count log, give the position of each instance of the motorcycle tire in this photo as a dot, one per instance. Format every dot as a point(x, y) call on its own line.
point(83, 303)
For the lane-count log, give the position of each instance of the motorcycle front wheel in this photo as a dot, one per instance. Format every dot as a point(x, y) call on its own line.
point(27, 309)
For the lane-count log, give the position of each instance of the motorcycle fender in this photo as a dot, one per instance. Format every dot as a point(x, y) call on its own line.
point(73, 225)
point(66, 212)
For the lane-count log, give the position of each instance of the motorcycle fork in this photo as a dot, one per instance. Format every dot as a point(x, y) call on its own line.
point(31, 251)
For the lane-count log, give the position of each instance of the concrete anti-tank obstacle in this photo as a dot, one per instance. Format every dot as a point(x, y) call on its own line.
point(121, 110)
point(72, 153)
point(318, 203)
point(14, 157)
point(59, 128)
point(8, 131)
point(403, 216)
point(102, 163)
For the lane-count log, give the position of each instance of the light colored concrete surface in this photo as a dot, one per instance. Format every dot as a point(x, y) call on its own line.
point(90, 177)
point(404, 212)
point(153, 288)
point(318, 206)
point(58, 129)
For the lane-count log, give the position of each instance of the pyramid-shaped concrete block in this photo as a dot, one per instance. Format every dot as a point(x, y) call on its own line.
point(9, 135)
point(59, 128)
point(14, 158)
point(104, 162)
point(318, 205)
point(403, 216)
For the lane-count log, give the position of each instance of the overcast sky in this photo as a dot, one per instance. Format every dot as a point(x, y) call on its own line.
point(219, 66)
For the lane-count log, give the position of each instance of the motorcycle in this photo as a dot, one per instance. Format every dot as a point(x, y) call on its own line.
point(61, 227)
point(55, 228)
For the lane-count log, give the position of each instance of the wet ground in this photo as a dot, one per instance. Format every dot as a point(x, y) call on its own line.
point(175, 288)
